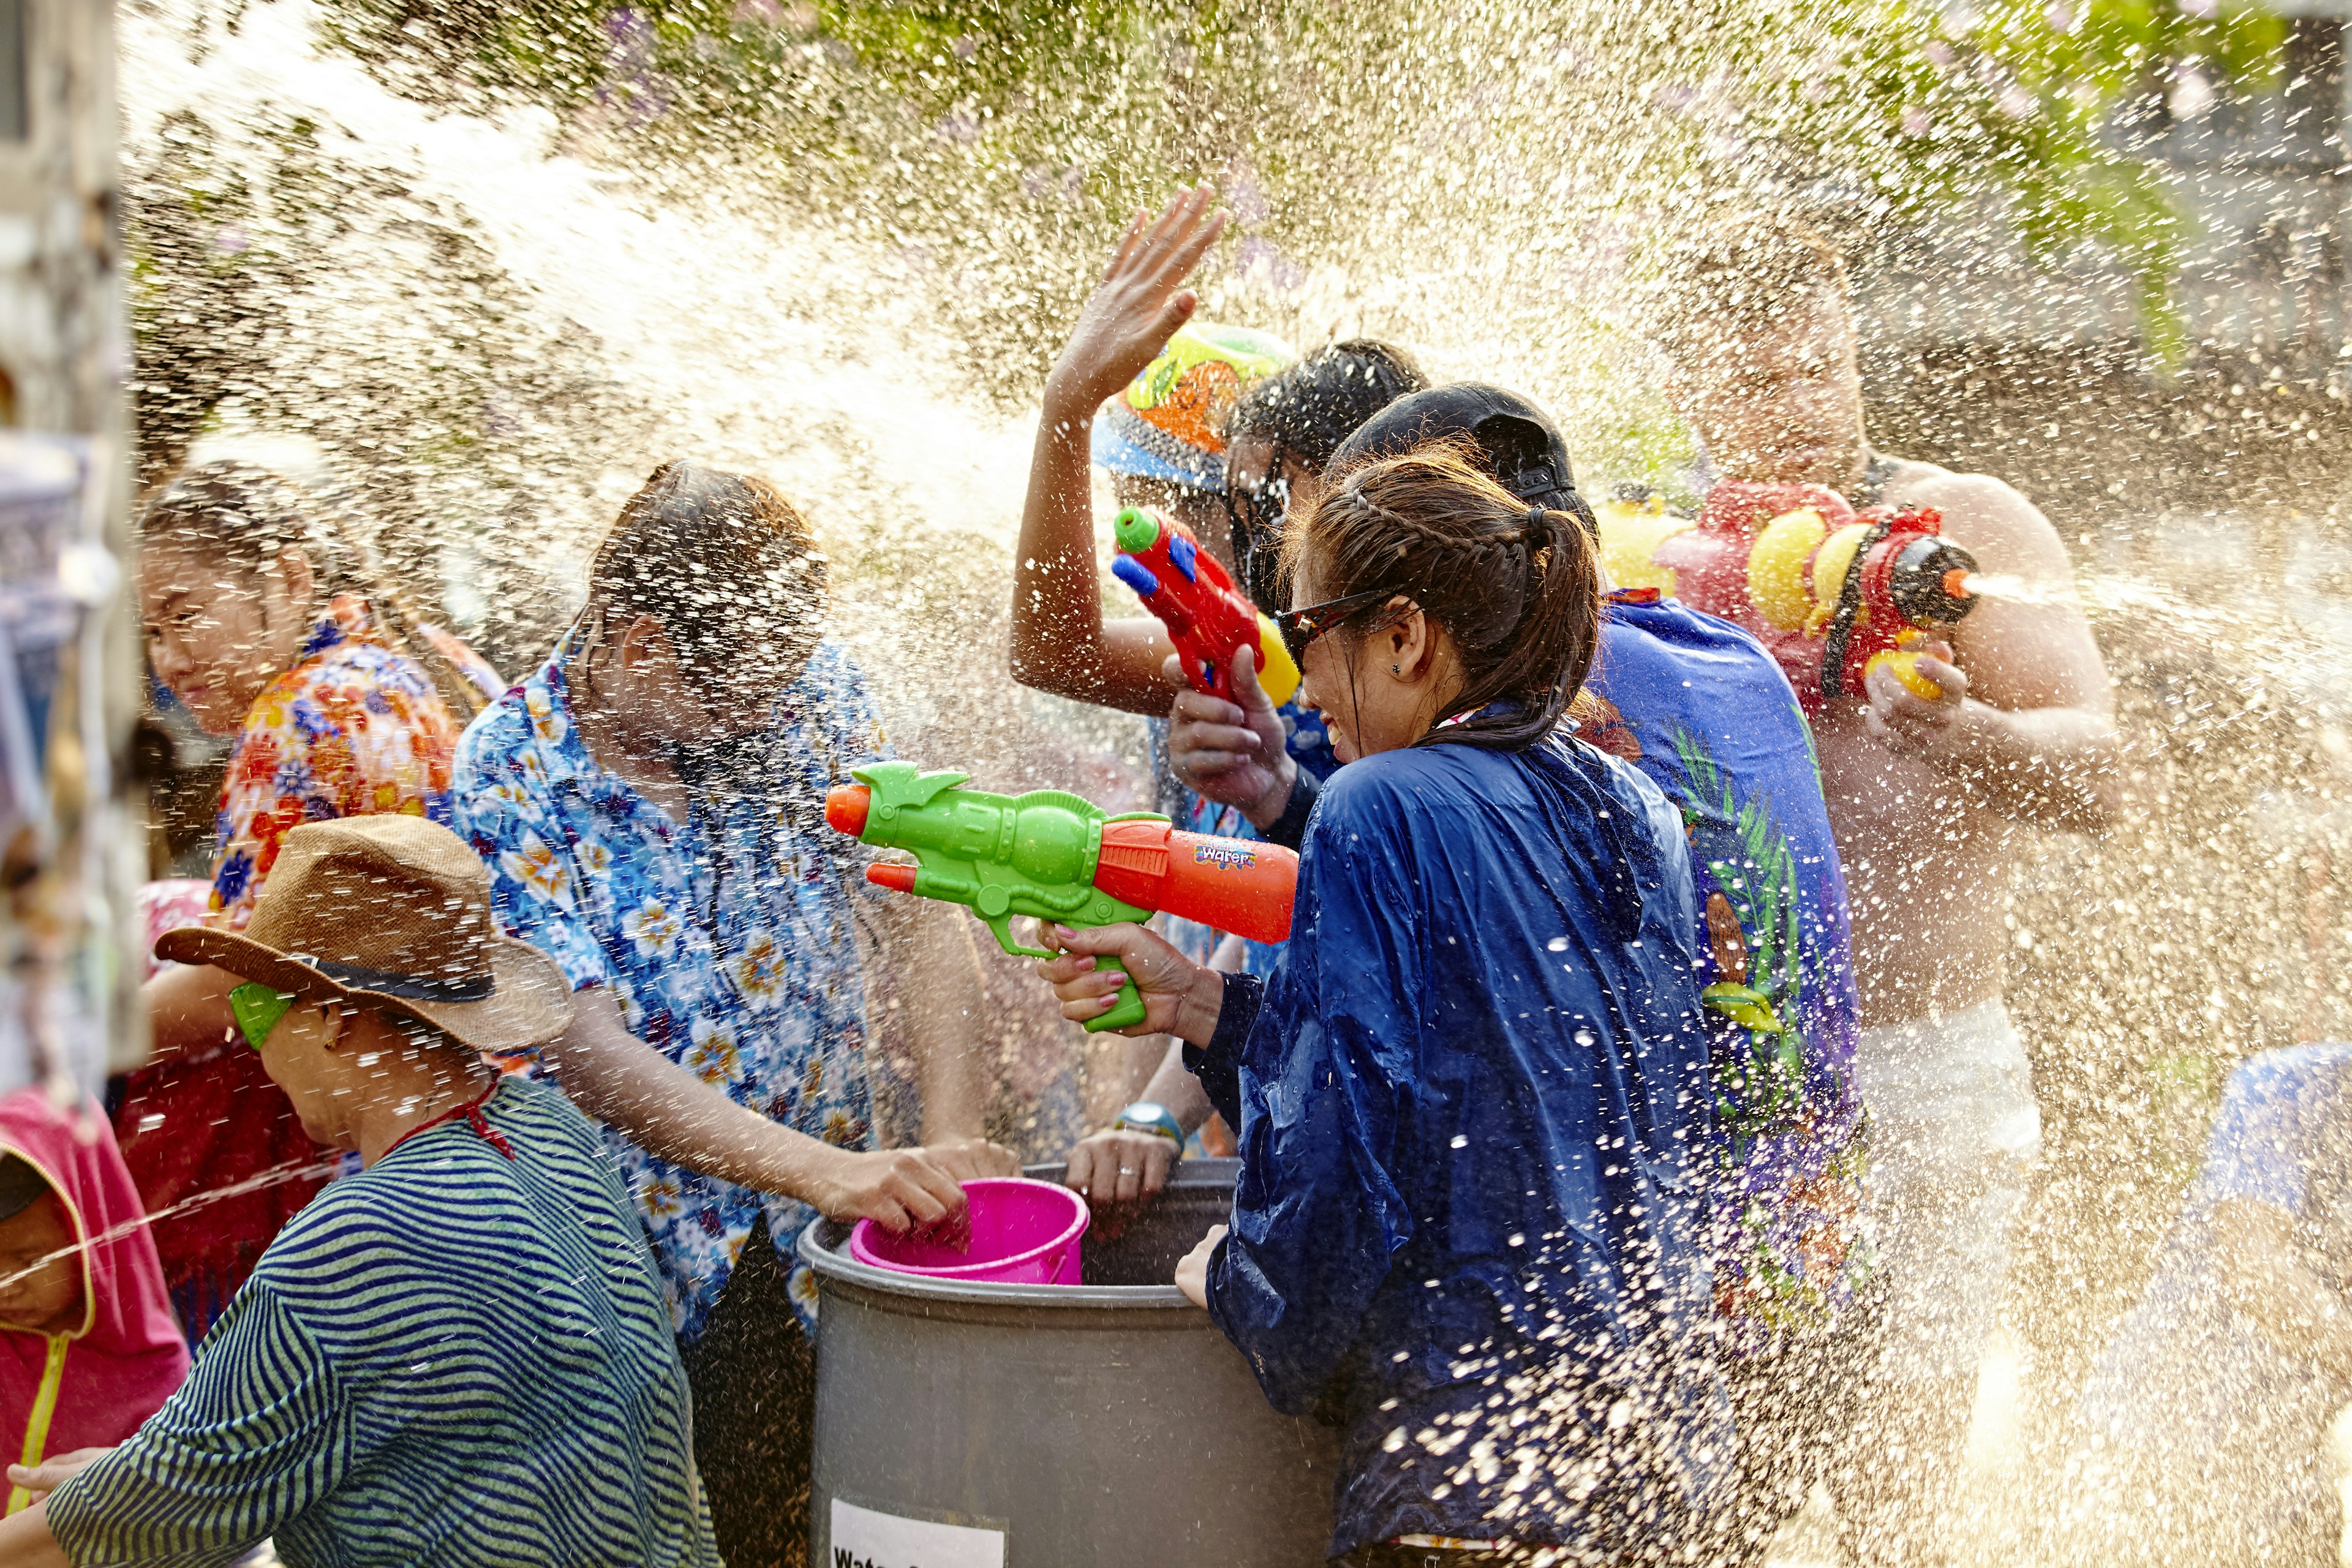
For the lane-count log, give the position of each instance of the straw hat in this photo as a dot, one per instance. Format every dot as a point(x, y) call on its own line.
point(393, 911)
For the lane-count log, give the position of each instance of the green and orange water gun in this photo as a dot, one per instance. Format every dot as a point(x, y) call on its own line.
point(1058, 857)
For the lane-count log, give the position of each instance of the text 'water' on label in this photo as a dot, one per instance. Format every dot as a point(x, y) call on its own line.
point(862, 1538)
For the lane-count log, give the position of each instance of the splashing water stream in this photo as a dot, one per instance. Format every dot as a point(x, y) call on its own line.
point(619, 311)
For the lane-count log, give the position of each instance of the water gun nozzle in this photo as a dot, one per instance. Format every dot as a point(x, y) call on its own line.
point(1136, 530)
point(1956, 583)
point(846, 806)
point(1135, 574)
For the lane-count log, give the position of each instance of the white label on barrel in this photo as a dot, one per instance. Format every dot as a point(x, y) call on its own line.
point(865, 1539)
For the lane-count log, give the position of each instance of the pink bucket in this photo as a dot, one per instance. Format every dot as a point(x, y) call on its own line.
point(1023, 1233)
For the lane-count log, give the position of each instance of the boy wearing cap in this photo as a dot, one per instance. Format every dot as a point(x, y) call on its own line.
point(459, 1355)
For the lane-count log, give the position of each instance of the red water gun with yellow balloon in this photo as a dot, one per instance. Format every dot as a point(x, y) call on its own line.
point(1833, 592)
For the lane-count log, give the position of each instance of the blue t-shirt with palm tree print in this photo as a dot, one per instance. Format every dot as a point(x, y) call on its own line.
point(1700, 707)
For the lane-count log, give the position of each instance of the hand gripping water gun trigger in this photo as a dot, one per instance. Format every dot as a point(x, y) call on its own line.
point(1060, 857)
point(1833, 592)
point(1207, 616)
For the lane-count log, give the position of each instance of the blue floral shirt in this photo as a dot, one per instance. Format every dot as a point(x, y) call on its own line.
point(726, 938)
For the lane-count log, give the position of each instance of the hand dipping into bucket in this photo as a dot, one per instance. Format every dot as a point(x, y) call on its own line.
point(1020, 1232)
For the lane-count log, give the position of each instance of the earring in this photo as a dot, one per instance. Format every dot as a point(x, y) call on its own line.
point(1396, 669)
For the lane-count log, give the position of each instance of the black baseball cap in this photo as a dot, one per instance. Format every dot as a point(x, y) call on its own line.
point(1521, 444)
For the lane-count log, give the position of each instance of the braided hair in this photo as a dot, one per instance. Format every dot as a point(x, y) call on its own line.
point(1514, 586)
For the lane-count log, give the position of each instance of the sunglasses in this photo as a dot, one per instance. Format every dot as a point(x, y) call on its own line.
point(1302, 626)
point(257, 1008)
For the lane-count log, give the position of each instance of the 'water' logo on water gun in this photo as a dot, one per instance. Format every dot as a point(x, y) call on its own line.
point(1222, 855)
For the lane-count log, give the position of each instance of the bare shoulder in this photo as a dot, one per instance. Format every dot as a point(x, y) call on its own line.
point(1984, 513)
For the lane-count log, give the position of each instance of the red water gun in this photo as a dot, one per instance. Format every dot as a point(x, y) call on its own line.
point(1832, 592)
point(1207, 616)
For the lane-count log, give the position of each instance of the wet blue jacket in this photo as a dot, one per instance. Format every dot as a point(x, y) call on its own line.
point(1705, 711)
point(1472, 1102)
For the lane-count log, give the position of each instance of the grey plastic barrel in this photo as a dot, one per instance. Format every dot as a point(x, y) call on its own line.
point(1108, 1422)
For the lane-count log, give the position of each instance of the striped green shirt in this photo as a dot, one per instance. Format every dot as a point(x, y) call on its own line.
point(452, 1357)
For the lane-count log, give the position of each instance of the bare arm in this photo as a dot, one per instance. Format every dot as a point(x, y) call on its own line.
point(1061, 642)
point(945, 1002)
point(2293, 1308)
point(25, 1541)
point(2027, 717)
point(675, 1116)
point(1175, 1087)
point(188, 1011)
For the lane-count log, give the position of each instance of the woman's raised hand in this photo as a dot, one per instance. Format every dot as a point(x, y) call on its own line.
point(1179, 997)
point(1141, 303)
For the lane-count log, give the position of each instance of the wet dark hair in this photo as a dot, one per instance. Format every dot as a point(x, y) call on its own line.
point(728, 566)
point(1307, 411)
point(248, 516)
point(1516, 586)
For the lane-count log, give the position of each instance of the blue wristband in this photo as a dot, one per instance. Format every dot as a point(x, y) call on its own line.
point(1150, 1116)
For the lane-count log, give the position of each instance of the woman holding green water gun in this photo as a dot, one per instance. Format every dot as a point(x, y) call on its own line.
point(1472, 1095)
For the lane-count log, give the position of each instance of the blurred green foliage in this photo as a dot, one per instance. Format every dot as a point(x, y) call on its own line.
point(1000, 139)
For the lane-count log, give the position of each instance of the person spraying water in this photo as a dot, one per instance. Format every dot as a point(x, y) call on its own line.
point(1708, 716)
point(1931, 797)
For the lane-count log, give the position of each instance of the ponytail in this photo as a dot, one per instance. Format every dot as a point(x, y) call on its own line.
point(1515, 587)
